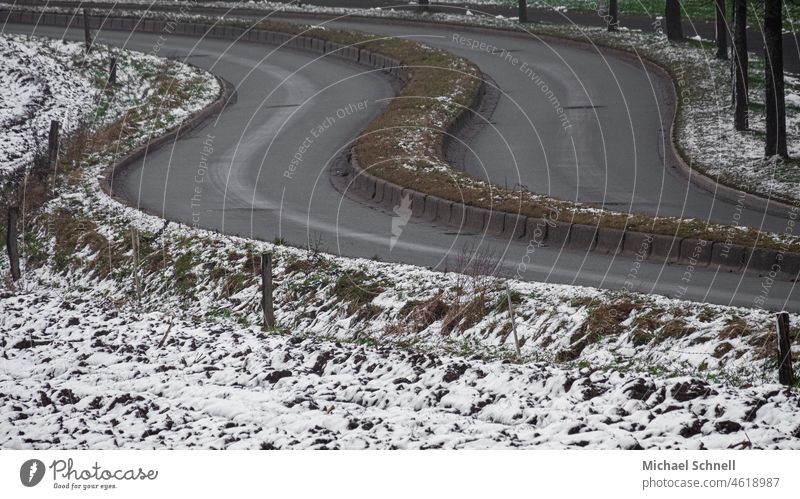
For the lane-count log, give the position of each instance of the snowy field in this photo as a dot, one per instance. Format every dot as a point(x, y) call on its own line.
point(75, 375)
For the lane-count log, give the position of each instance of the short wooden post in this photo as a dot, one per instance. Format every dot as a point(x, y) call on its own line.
point(11, 241)
point(112, 72)
point(87, 35)
point(136, 279)
point(52, 143)
point(785, 372)
point(513, 321)
point(266, 291)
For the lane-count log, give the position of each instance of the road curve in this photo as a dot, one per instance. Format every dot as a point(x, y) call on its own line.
point(612, 154)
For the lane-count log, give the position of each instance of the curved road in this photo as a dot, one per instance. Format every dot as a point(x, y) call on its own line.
point(611, 153)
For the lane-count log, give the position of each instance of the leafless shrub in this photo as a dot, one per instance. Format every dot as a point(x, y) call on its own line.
point(316, 247)
point(477, 271)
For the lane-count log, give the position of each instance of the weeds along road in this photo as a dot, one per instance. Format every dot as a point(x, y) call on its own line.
point(261, 169)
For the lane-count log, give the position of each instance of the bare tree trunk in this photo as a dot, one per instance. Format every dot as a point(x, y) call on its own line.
point(613, 15)
point(739, 64)
point(774, 97)
point(523, 11)
point(722, 30)
point(422, 5)
point(672, 19)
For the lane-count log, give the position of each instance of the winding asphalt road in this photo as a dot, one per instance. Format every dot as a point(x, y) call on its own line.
point(612, 154)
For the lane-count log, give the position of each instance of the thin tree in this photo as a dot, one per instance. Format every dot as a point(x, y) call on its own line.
point(613, 15)
point(739, 63)
point(523, 11)
point(672, 19)
point(722, 29)
point(774, 97)
point(422, 5)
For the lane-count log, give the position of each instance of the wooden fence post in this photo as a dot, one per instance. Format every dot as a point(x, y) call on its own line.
point(513, 321)
point(87, 35)
point(266, 291)
point(11, 241)
point(785, 372)
point(136, 279)
point(52, 143)
point(112, 72)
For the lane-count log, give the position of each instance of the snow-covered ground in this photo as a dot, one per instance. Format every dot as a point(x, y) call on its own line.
point(74, 375)
point(40, 82)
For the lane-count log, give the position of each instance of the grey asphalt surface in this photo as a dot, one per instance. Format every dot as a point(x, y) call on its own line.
point(613, 154)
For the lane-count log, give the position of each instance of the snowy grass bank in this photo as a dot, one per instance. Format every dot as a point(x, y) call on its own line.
point(47, 80)
point(199, 275)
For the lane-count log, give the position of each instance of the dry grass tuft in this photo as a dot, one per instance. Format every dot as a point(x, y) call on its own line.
point(419, 315)
point(736, 327)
